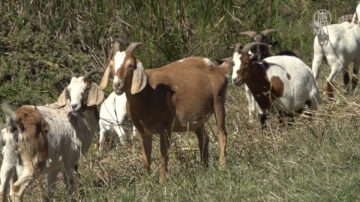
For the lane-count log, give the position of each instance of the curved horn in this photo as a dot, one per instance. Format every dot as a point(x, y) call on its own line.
point(88, 74)
point(269, 31)
point(237, 47)
point(105, 78)
point(248, 46)
point(249, 33)
point(133, 46)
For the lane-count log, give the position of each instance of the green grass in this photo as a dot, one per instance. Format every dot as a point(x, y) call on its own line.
point(42, 43)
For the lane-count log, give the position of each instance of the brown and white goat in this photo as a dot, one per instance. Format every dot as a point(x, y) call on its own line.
point(174, 98)
point(52, 138)
point(285, 81)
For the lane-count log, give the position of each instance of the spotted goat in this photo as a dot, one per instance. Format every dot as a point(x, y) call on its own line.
point(283, 81)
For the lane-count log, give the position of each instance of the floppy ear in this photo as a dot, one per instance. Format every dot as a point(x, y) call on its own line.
point(96, 96)
point(139, 78)
point(62, 99)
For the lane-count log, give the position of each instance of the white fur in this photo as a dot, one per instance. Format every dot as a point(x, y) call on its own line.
point(112, 115)
point(356, 15)
point(208, 62)
point(76, 88)
point(299, 88)
point(340, 44)
point(118, 61)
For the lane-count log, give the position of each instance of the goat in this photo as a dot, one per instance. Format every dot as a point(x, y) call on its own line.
point(112, 115)
point(261, 52)
point(9, 167)
point(285, 81)
point(339, 45)
point(52, 138)
point(177, 97)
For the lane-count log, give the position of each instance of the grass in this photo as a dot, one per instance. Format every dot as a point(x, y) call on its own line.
point(42, 43)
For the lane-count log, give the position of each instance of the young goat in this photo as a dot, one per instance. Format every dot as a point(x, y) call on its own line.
point(174, 98)
point(284, 81)
point(52, 139)
point(112, 115)
point(339, 45)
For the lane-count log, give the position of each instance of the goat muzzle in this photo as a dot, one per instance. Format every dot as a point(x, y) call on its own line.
point(118, 88)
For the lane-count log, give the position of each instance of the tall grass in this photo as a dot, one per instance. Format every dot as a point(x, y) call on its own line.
point(42, 43)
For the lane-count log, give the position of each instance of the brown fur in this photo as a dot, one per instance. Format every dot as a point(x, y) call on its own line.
point(277, 86)
point(177, 97)
point(33, 143)
point(255, 78)
point(329, 90)
point(263, 89)
point(288, 76)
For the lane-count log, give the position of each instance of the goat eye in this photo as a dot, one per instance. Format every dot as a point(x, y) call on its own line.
point(130, 67)
point(13, 129)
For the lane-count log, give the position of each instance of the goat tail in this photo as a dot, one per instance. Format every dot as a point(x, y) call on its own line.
point(9, 113)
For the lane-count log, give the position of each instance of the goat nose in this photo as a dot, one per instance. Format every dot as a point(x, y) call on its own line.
point(74, 106)
point(116, 85)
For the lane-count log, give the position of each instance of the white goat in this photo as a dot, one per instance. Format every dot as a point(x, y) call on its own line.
point(61, 136)
point(112, 115)
point(340, 45)
point(285, 81)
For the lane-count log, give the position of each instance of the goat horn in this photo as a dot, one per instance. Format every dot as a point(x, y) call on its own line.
point(133, 46)
point(237, 47)
point(269, 31)
point(248, 46)
point(105, 79)
point(88, 74)
point(249, 33)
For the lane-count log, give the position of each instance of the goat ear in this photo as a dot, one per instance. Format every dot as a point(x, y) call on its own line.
point(62, 99)
point(96, 95)
point(139, 79)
